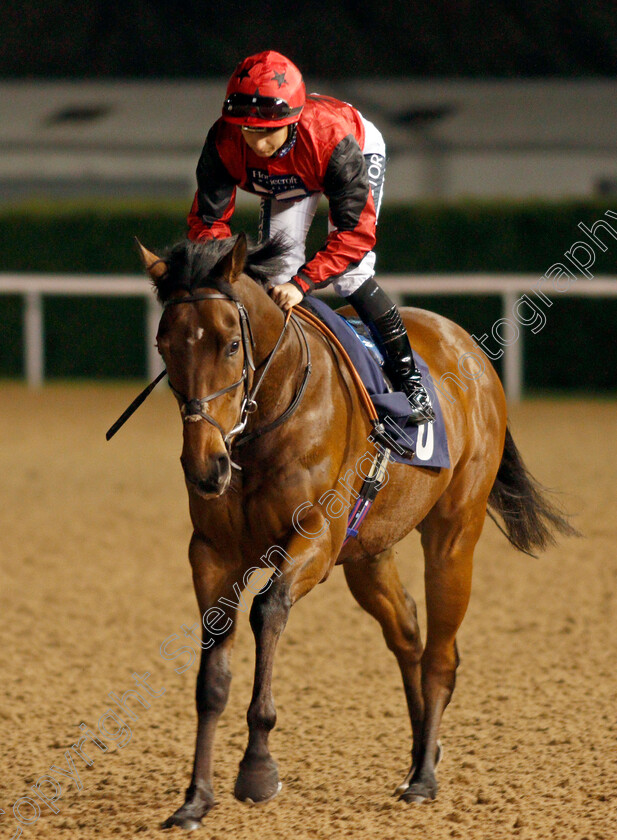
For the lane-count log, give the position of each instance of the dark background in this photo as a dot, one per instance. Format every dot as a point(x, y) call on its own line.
point(160, 38)
point(105, 338)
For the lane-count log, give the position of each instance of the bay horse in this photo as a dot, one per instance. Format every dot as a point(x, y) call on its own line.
point(267, 505)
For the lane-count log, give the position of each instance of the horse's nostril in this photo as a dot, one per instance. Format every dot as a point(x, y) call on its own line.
point(221, 464)
point(210, 477)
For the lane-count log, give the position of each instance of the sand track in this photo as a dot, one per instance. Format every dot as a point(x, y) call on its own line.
point(95, 578)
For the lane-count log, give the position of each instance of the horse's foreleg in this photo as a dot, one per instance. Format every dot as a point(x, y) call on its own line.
point(449, 537)
point(376, 586)
point(212, 580)
point(311, 561)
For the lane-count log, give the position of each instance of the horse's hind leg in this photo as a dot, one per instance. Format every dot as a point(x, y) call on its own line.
point(449, 535)
point(376, 586)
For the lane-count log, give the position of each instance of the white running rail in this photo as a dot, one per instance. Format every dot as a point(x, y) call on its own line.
point(34, 287)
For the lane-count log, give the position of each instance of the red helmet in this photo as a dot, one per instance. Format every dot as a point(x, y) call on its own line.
point(265, 91)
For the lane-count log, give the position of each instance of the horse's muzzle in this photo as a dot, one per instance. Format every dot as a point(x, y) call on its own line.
point(214, 481)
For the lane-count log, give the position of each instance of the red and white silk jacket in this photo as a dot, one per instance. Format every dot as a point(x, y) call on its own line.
point(326, 157)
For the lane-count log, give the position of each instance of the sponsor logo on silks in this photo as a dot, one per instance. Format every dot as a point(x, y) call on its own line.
point(282, 187)
point(425, 442)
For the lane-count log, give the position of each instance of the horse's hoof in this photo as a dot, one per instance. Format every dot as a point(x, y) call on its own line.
point(189, 815)
point(196, 805)
point(187, 823)
point(279, 787)
point(404, 785)
point(419, 792)
point(257, 783)
point(414, 798)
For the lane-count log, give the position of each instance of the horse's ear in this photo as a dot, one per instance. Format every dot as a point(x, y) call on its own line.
point(155, 266)
point(233, 263)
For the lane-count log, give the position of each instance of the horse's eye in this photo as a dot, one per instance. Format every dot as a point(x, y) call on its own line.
point(232, 348)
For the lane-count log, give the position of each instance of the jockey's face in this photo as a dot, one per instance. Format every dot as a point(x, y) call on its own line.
point(264, 142)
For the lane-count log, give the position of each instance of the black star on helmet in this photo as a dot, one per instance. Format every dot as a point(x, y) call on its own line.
point(243, 74)
point(280, 78)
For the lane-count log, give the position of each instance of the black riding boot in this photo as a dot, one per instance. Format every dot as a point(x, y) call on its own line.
point(385, 324)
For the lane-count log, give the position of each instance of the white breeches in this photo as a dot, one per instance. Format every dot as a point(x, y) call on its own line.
point(293, 217)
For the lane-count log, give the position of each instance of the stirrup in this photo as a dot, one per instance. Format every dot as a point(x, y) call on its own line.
point(419, 400)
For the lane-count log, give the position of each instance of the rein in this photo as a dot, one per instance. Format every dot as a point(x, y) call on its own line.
point(193, 410)
point(246, 438)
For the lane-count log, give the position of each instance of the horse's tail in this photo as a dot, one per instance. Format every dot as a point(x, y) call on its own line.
point(530, 518)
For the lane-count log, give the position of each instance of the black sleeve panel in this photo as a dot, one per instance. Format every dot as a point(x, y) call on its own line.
point(346, 184)
point(215, 186)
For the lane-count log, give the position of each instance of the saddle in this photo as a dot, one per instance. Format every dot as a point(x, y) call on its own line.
point(424, 445)
point(313, 315)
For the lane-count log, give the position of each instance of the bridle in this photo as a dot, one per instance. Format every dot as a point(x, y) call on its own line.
point(194, 410)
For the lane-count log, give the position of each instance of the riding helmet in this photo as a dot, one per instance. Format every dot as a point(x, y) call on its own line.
point(266, 90)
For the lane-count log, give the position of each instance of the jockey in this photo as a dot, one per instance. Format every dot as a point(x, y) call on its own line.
point(289, 149)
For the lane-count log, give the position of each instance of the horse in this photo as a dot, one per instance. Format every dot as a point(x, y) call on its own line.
point(272, 421)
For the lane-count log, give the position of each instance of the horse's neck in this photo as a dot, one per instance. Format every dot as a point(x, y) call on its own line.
point(267, 319)
point(285, 369)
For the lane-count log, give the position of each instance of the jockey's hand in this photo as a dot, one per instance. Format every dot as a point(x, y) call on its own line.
point(286, 295)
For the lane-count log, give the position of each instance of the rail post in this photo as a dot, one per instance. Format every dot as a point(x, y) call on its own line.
point(513, 355)
point(33, 339)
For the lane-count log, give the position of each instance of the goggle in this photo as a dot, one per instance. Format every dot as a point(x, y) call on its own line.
point(263, 107)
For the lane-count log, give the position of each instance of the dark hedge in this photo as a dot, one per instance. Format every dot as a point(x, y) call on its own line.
point(105, 338)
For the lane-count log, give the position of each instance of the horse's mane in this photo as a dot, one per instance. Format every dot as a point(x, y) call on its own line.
point(193, 265)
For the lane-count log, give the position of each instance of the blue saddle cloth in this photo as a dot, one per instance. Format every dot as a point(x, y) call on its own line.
point(428, 441)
